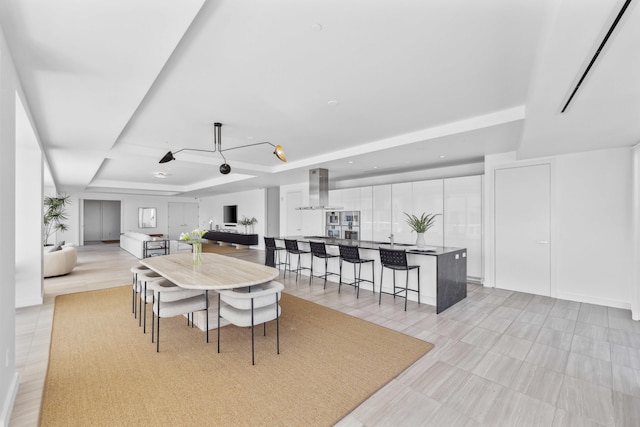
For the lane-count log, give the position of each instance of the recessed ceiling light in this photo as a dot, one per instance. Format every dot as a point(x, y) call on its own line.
point(161, 175)
point(442, 156)
point(332, 103)
point(350, 162)
point(316, 27)
point(375, 167)
point(251, 137)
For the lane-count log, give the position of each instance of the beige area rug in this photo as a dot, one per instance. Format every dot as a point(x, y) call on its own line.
point(104, 371)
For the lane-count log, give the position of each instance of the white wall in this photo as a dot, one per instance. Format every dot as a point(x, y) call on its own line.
point(593, 222)
point(8, 373)
point(591, 225)
point(129, 205)
point(29, 179)
point(250, 203)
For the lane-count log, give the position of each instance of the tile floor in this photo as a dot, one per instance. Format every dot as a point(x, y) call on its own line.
point(501, 358)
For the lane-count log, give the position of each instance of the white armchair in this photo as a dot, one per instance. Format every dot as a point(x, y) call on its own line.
point(59, 262)
point(251, 306)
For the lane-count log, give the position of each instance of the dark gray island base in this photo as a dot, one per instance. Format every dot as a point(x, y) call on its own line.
point(450, 265)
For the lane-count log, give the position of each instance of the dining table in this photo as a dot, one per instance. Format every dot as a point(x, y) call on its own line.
point(216, 272)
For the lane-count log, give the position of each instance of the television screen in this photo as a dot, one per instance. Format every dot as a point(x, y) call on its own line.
point(231, 214)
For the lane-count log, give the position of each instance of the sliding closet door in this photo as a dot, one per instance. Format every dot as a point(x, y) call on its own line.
point(522, 229)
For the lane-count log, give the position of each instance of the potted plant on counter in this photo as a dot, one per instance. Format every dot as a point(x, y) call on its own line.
point(420, 225)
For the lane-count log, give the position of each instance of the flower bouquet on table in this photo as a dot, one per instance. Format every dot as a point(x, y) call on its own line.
point(195, 238)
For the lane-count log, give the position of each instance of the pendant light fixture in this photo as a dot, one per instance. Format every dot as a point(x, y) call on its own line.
point(217, 147)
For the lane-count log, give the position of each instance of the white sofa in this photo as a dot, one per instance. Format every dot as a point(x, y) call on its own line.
point(132, 242)
point(59, 262)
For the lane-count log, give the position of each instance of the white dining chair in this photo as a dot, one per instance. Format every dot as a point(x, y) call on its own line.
point(251, 306)
point(171, 300)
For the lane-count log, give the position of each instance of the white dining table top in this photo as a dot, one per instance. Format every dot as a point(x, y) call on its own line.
point(215, 272)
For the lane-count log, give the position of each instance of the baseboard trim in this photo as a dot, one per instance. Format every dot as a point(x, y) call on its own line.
point(594, 300)
point(7, 406)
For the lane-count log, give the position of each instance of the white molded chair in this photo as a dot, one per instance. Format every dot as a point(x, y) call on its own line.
point(145, 278)
point(135, 287)
point(251, 306)
point(171, 300)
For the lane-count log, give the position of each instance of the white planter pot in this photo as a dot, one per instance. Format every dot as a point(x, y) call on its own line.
point(420, 241)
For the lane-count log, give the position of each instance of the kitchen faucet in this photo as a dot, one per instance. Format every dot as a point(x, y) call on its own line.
point(391, 239)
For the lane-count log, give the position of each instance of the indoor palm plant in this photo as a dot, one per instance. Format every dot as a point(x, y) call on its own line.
point(54, 214)
point(420, 225)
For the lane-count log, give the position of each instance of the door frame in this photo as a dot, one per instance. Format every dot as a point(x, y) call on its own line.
point(489, 217)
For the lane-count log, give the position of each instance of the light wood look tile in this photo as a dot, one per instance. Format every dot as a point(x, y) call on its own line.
point(486, 368)
point(538, 382)
point(592, 348)
point(583, 398)
point(548, 357)
point(589, 369)
point(554, 338)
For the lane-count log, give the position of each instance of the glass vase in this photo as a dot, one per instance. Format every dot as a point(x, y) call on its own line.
point(197, 253)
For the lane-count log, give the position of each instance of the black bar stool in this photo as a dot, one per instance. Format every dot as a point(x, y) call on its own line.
point(319, 250)
point(352, 254)
point(273, 253)
point(396, 260)
point(292, 249)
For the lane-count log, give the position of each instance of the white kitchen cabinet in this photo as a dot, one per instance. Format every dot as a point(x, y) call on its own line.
point(382, 212)
point(366, 213)
point(463, 219)
point(428, 197)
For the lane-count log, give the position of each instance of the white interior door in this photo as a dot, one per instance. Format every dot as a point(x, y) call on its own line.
point(183, 217)
point(92, 220)
point(110, 220)
point(294, 217)
point(522, 229)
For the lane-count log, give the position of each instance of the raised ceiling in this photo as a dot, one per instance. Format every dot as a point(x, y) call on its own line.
point(359, 87)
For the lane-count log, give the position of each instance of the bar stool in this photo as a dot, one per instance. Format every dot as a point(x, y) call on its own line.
point(396, 260)
point(319, 250)
point(146, 295)
point(351, 254)
point(135, 288)
point(273, 250)
point(292, 249)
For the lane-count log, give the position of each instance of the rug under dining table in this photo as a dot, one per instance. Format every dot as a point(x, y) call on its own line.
point(104, 371)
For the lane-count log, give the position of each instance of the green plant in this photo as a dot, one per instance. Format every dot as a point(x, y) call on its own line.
point(248, 221)
point(54, 215)
point(421, 224)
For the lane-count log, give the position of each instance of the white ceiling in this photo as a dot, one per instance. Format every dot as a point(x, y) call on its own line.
point(390, 86)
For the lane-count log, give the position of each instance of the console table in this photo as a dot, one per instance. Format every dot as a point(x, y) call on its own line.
point(231, 237)
point(155, 247)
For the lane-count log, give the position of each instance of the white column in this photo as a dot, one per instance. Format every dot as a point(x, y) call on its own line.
point(9, 378)
point(28, 205)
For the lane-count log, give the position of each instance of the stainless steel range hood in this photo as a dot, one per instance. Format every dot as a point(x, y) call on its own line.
point(319, 191)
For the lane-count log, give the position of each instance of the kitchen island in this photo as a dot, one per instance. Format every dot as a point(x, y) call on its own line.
point(443, 270)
